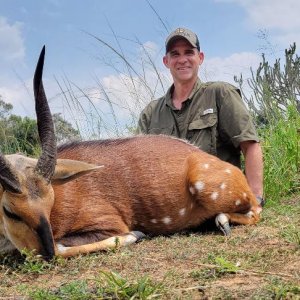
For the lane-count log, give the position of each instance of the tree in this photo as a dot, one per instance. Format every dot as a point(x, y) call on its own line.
point(19, 134)
point(274, 88)
point(64, 130)
point(275, 105)
point(22, 135)
point(5, 108)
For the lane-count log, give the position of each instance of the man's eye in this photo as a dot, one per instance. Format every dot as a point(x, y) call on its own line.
point(11, 215)
point(191, 52)
point(174, 54)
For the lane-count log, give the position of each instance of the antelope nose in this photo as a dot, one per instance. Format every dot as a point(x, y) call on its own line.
point(44, 232)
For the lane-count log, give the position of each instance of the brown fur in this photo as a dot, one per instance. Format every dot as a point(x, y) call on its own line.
point(154, 184)
point(144, 178)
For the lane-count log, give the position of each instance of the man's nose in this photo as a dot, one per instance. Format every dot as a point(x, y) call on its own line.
point(182, 59)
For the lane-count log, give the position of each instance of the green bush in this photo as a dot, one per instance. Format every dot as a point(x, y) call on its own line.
point(280, 141)
point(19, 134)
point(275, 106)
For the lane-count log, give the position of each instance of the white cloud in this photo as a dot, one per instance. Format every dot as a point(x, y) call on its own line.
point(151, 48)
point(287, 39)
point(279, 17)
point(225, 68)
point(11, 41)
point(273, 14)
point(21, 96)
point(150, 79)
point(117, 101)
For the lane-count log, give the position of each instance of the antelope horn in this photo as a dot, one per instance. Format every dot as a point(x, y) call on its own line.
point(47, 161)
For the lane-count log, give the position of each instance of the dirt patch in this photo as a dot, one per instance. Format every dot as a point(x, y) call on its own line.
point(256, 262)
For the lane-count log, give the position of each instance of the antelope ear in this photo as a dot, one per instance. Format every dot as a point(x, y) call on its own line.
point(67, 170)
point(8, 178)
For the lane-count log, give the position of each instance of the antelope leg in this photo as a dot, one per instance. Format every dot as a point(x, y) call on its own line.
point(109, 243)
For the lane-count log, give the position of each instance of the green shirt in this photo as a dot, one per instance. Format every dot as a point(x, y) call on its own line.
point(214, 118)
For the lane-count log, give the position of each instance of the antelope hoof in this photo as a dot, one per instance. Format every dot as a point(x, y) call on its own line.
point(261, 201)
point(222, 223)
point(138, 235)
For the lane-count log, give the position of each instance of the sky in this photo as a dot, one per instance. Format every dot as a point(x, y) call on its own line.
point(92, 87)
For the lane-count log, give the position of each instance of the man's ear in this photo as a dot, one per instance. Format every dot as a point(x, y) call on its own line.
point(201, 57)
point(67, 170)
point(166, 61)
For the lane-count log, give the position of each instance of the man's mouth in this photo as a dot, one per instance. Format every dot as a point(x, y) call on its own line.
point(183, 68)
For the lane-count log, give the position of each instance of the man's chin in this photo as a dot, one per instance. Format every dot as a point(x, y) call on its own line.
point(185, 77)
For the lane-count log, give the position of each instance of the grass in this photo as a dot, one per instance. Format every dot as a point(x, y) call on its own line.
point(107, 285)
point(281, 148)
point(256, 262)
point(279, 289)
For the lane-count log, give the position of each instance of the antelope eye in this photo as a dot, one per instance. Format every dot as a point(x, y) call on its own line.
point(11, 215)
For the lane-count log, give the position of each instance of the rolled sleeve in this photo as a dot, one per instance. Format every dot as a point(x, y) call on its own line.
point(235, 122)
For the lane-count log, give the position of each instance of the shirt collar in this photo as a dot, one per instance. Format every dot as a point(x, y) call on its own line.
point(171, 89)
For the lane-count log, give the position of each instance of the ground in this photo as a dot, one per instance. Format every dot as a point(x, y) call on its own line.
point(255, 262)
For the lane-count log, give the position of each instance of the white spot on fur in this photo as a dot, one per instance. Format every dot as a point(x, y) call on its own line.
point(154, 221)
point(228, 171)
point(199, 185)
point(192, 190)
point(182, 212)
point(250, 214)
point(167, 220)
point(192, 205)
point(244, 195)
point(214, 195)
point(223, 186)
point(237, 202)
point(205, 166)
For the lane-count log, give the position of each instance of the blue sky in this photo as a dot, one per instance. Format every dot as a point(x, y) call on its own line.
point(229, 31)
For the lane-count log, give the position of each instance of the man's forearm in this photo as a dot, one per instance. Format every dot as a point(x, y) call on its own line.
point(254, 166)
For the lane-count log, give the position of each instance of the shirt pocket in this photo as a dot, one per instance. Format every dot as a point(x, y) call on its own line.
point(206, 121)
point(203, 133)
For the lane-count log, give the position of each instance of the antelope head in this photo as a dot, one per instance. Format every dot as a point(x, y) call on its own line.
point(26, 193)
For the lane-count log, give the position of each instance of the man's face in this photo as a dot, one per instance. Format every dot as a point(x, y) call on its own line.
point(183, 61)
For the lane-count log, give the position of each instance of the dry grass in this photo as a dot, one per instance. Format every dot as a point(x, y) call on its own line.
point(257, 262)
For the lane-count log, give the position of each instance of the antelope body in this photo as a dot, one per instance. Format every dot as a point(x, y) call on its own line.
point(92, 195)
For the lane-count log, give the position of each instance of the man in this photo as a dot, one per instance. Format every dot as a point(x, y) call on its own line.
point(210, 115)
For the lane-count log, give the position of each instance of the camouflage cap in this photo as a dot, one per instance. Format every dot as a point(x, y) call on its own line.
point(180, 33)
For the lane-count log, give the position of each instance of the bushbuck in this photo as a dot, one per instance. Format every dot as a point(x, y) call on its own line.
point(88, 196)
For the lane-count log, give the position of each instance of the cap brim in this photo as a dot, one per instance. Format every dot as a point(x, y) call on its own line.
point(176, 38)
